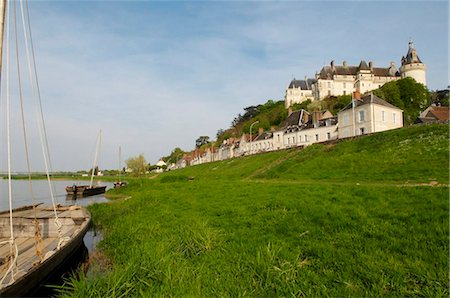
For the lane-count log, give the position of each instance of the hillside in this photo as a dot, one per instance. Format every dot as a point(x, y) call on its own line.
point(354, 218)
point(410, 154)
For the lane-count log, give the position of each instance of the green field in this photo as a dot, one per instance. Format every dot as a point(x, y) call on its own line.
point(364, 217)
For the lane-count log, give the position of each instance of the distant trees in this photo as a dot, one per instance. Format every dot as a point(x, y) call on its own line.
point(174, 156)
point(137, 164)
point(202, 140)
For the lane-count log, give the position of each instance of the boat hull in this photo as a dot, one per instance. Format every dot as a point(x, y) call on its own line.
point(120, 184)
point(84, 190)
point(34, 276)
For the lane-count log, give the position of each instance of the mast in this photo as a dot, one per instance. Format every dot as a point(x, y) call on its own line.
point(2, 30)
point(120, 163)
point(99, 139)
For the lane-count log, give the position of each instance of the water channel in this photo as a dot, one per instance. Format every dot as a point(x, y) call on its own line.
point(21, 194)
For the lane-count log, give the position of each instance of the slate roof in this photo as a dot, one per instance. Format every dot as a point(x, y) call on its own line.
point(369, 99)
point(410, 58)
point(302, 84)
point(327, 72)
point(294, 119)
point(264, 136)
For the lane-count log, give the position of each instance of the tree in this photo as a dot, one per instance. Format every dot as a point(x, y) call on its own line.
point(174, 156)
point(137, 164)
point(202, 140)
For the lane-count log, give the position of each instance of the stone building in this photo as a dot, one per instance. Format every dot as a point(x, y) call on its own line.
point(336, 80)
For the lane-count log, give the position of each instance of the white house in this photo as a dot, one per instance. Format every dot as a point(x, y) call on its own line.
point(368, 115)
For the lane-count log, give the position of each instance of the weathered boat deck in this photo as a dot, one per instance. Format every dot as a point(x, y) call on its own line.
point(73, 219)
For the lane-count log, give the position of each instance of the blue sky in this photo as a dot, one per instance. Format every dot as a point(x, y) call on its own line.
point(156, 75)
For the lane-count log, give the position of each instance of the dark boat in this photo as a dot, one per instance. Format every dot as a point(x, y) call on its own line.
point(80, 191)
point(32, 266)
point(120, 184)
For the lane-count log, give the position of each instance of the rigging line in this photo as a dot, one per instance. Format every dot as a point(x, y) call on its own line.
point(12, 243)
point(19, 81)
point(37, 94)
point(38, 236)
point(8, 136)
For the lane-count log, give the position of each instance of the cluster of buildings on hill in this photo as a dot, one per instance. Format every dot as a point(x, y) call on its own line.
point(363, 115)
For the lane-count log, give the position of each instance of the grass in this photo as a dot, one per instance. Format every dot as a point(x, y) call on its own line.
point(290, 223)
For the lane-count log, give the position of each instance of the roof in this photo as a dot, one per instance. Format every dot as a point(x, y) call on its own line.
point(264, 136)
point(294, 118)
point(327, 72)
point(302, 84)
point(370, 99)
point(411, 56)
point(436, 113)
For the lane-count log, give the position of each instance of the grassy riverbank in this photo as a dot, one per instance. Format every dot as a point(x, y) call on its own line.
point(367, 217)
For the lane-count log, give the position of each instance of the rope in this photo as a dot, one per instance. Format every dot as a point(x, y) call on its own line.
point(11, 241)
point(37, 95)
point(12, 259)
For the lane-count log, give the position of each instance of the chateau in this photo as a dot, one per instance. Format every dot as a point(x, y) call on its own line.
point(335, 80)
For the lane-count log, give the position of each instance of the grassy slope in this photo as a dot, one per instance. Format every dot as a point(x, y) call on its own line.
point(322, 221)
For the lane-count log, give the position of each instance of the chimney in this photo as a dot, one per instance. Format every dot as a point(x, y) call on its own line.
point(316, 116)
point(332, 64)
point(371, 65)
point(344, 63)
point(357, 95)
point(260, 131)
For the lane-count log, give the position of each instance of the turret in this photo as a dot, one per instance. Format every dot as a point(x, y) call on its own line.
point(413, 67)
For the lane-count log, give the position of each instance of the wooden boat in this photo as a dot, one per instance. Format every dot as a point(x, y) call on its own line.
point(34, 240)
point(58, 245)
point(79, 191)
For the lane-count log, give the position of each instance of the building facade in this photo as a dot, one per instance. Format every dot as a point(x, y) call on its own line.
point(368, 115)
point(336, 80)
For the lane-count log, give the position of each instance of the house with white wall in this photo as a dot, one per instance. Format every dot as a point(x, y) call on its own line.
point(368, 114)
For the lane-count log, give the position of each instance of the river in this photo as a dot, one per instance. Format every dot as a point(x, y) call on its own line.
point(22, 195)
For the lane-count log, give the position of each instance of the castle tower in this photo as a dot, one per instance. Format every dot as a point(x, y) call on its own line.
point(413, 67)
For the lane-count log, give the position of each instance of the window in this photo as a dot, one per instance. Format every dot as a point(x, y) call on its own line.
point(345, 92)
point(329, 85)
point(346, 120)
point(328, 135)
point(382, 116)
point(363, 131)
point(306, 138)
point(394, 117)
point(293, 140)
point(317, 137)
point(345, 87)
point(329, 93)
point(361, 116)
point(300, 139)
point(278, 138)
